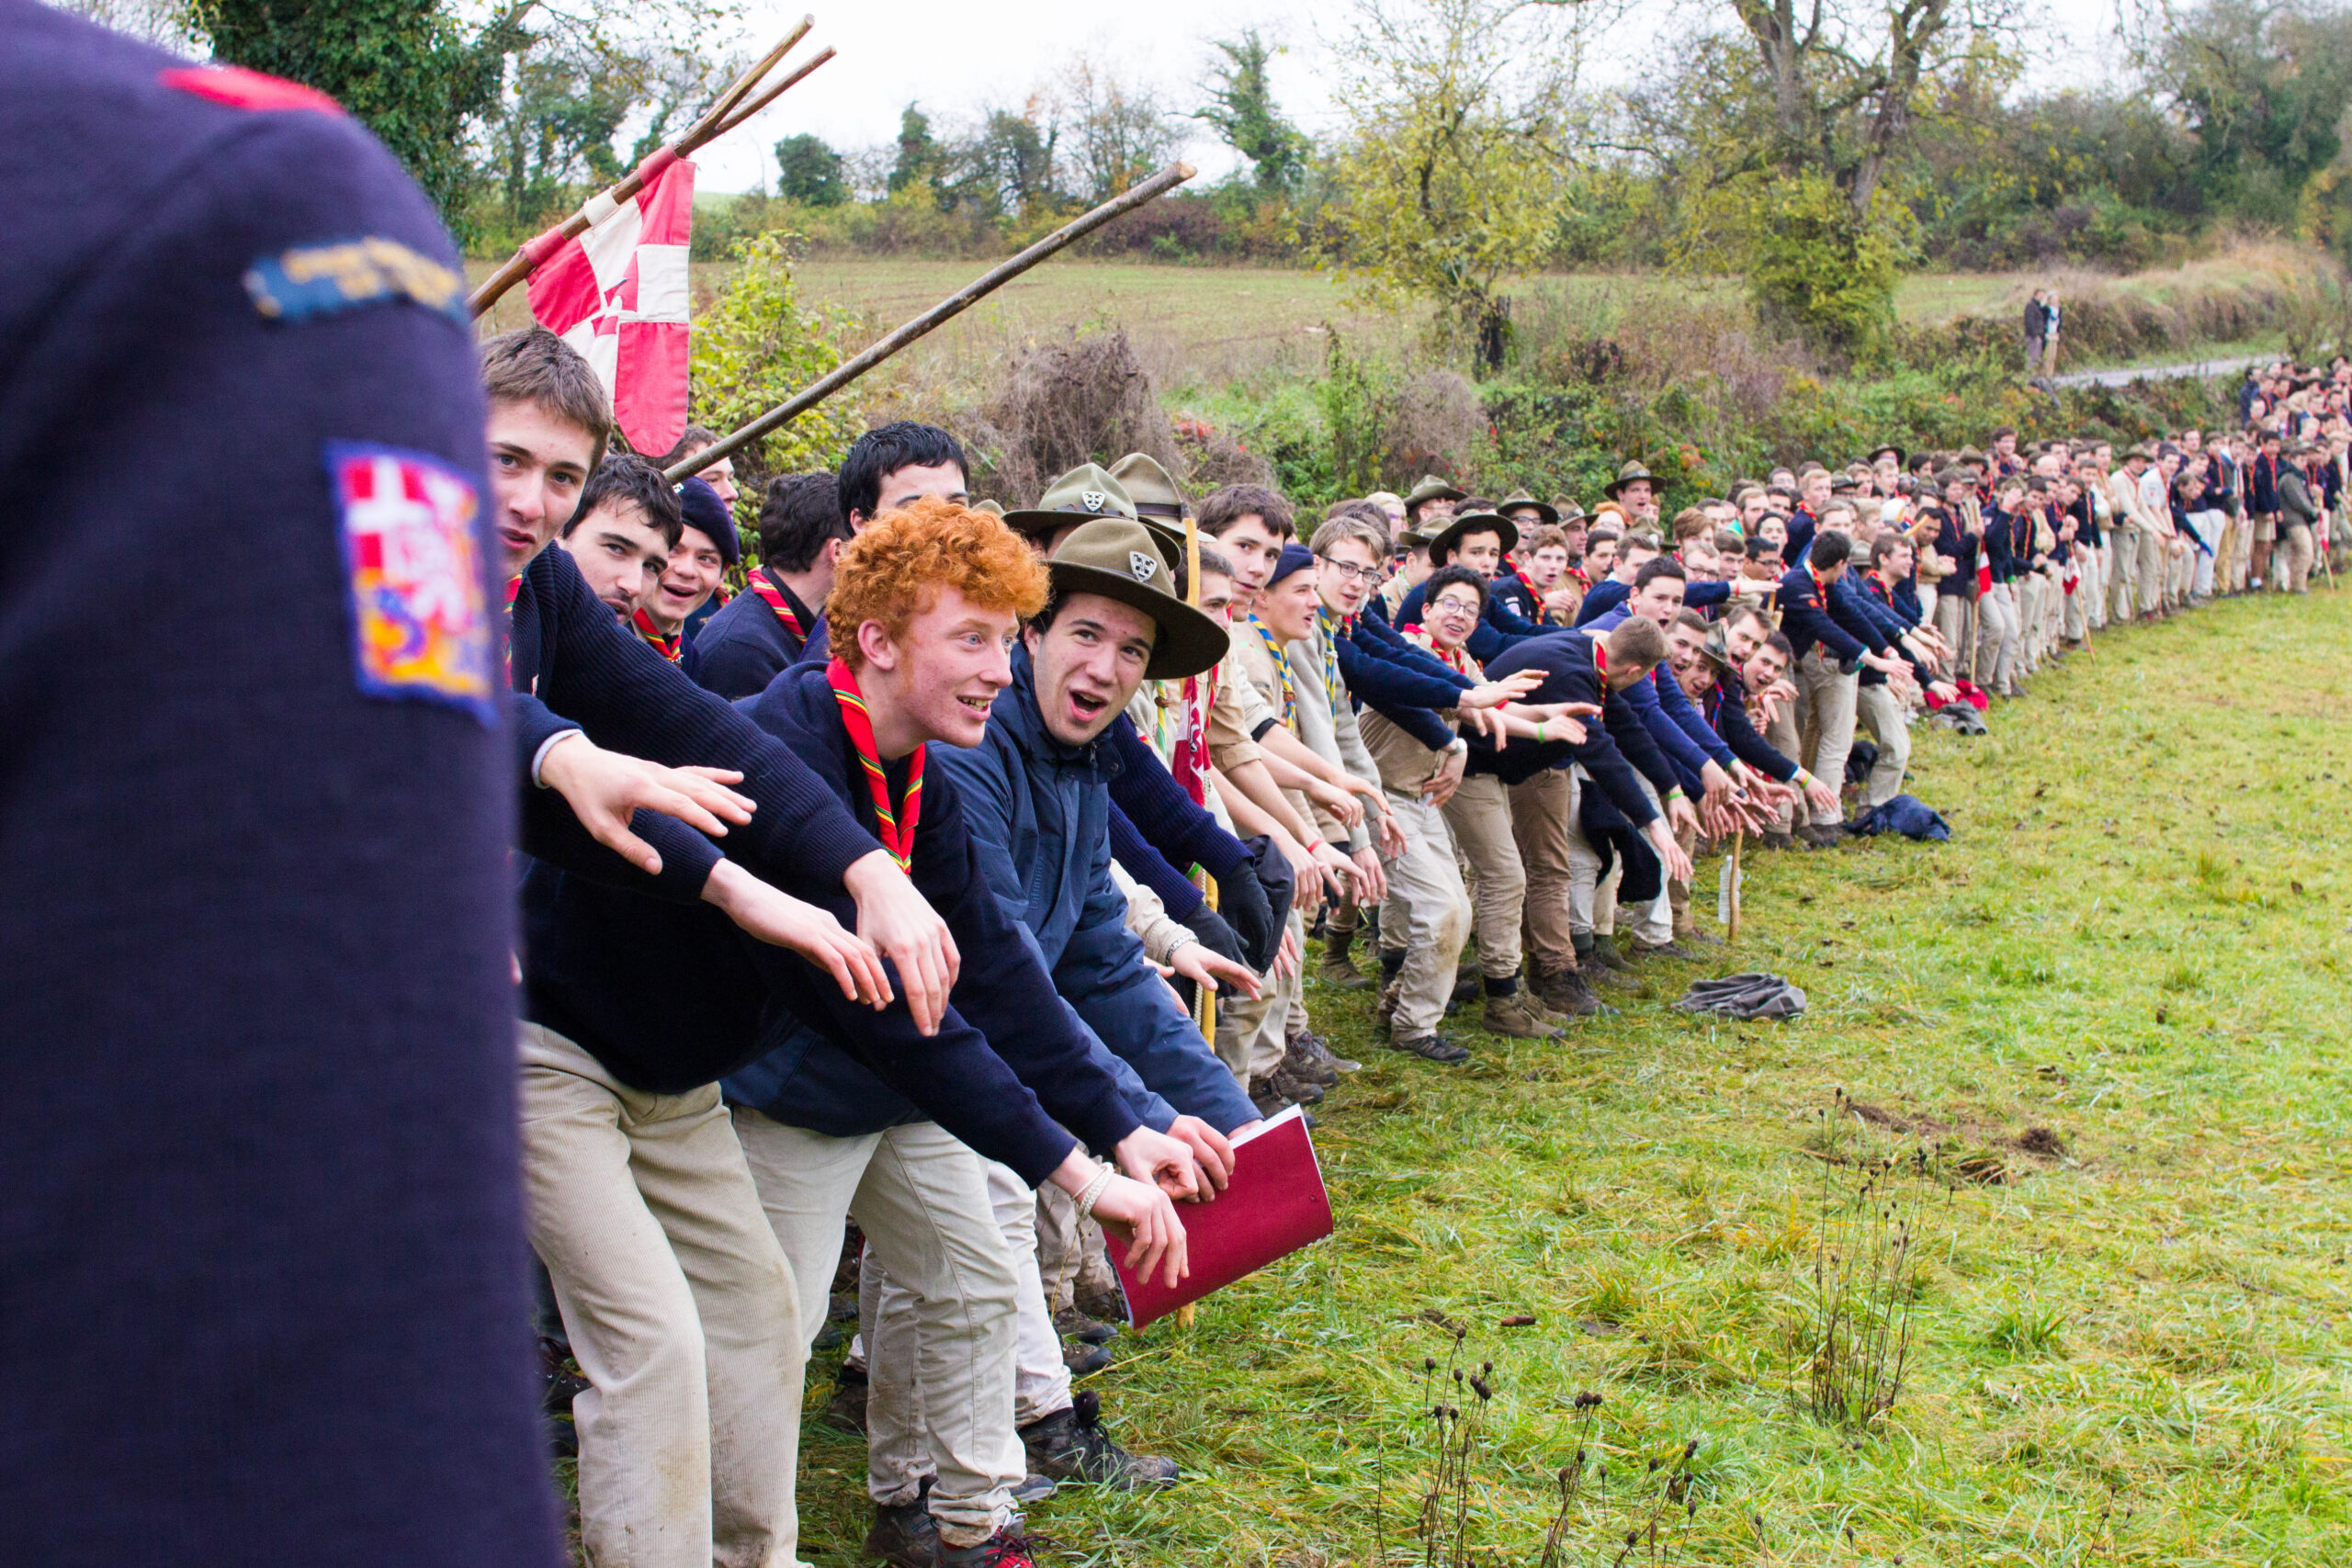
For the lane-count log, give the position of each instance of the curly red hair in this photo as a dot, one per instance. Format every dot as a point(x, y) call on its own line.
point(894, 570)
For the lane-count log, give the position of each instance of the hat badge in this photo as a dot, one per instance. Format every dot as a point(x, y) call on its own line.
point(1093, 500)
point(1142, 565)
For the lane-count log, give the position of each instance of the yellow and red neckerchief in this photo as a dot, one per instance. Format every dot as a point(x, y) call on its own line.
point(897, 827)
point(1457, 659)
point(668, 648)
point(775, 601)
point(513, 587)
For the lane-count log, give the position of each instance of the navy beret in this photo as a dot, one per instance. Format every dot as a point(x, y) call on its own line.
point(702, 509)
point(1294, 558)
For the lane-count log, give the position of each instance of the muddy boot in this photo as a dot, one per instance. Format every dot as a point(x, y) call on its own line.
point(1301, 1064)
point(1603, 964)
point(1316, 1052)
point(903, 1535)
point(1070, 1445)
point(1515, 1016)
point(1565, 993)
point(1392, 966)
point(1339, 969)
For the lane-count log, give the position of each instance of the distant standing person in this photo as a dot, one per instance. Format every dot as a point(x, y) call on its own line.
point(2036, 328)
point(2051, 313)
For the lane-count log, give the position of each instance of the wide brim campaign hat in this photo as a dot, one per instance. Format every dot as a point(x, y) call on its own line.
point(1117, 558)
point(993, 508)
point(1084, 494)
point(1442, 547)
point(1569, 512)
point(1158, 502)
point(1432, 487)
point(1520, 499)
point(1717, 647)
point(1969, 455)
point(1894, 452)
point(1627, 476)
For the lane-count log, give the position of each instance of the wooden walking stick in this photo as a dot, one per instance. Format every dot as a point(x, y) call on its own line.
point(1738, 838)
point(716, 121)
point(955, 305)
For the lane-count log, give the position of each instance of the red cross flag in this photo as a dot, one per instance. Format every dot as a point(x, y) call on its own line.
point(617, 294)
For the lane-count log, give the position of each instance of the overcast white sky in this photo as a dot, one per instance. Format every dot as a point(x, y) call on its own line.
point(953, 56)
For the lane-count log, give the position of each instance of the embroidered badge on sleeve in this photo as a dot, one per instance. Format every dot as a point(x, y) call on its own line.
point(321, 281)
point(421, 624)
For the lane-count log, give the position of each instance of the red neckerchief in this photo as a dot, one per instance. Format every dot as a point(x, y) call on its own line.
point(1189, 759)
point(1583, 578)
point(513, 587)
point(668, 648)
point(1885, 590)
point(1457, 660)
point(1599, 657)
point(777, 601)
point(1819, 587)
point(897, 827)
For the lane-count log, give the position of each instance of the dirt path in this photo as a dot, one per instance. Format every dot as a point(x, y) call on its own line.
point(2128, 374)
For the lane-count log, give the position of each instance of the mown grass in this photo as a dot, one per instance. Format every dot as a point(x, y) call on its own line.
point(2134, 1352)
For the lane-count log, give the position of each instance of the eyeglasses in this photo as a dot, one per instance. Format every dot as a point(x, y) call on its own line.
point(1454, 606)
point(1351, 573)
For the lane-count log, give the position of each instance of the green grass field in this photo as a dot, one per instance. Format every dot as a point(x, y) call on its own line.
point(2112, 1010)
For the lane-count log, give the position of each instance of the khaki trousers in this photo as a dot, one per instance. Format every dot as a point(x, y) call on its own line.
point(2074, 623)
point(922, 1200)
point(1479, 815)
point(1827, 694)
point(1998, 639)
point(680, 1308)
point(1540, 816)
point(1951, 625)
point(1252, 1031)
point(2150, 568)
point(2032, 597)
point(2294, 557)
point(1426, 884)
point(1878, 708)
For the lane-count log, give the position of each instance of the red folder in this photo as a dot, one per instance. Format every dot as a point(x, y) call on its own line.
point(1274, 1205)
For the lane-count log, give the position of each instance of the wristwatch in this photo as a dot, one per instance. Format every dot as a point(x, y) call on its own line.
point(1458, 748)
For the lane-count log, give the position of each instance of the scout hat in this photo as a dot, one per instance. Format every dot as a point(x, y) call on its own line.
point(1627, 476)
point(1894, 452)
point(1520, 498)
point(1441, 547)
point(1159, 505)
point(993, 508)
point(1432, 487)
point(1086, 491)
point(1115, 556)
point(1568, 510)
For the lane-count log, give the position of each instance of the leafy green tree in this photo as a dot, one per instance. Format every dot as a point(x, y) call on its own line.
point(407, 69)
point(810, 173)
point(1242, 108)
point(922, 161)
point(1454, 176)
point(1007, 166)
point(2263, 89)
point(756, 346)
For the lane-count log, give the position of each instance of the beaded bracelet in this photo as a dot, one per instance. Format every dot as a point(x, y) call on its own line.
point(1092, 1193)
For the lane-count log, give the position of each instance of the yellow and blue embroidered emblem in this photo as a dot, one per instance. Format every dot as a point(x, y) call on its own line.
point(320, 280)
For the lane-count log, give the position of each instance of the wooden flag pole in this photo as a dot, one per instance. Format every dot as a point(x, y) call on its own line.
point(955, 305)
point(715, 121)
point(1207, 883)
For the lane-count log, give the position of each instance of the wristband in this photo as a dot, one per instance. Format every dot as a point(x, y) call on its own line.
point(1092, 1192)
point(1802, 779)
point(1539, 732)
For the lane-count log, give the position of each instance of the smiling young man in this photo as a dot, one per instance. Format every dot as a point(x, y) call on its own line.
point(692, 576)
point(622, 536)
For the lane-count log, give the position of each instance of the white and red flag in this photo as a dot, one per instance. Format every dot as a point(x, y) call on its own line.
point(617, 293)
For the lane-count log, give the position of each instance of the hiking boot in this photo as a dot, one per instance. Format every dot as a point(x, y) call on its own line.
point(903, 1535)
point(847, 1407)
point(1006, 1549)
point(1466, 988)
point(1512, 1017)
point(1263, 1096)
point(1339, 969)
point(559, 1384)
point(1674, 950)
point(1605, 952)
point(1317, 1050)
point(1072, 1323)
point(1430, 1047)
point(1776, 840)
point(1295, 1089)
point(1815, 837)
point(1385, 1014)
point(1298, 1064)
point(1084, 1359)
point(1070, 1445)
point(1703, 939)
point(1565, 993)
point(1034, 1489)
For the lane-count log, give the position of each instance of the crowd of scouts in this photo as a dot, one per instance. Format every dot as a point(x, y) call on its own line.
point(1135, 750)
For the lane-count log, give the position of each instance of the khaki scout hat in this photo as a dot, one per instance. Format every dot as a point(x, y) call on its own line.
point(993, 508)
point(1441, 546)
point(1627, 476)
point(1160, 503)
point(1117, 558)
point(1086, 491)
point(1432, 487)
point(1570, 511)
point(1520, 499)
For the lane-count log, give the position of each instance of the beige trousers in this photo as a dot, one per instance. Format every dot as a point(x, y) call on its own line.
point(1878, 708)
point(1479, 816)
point(2295, 556)
point(680, 1309)
point(1427, 884)
point(921, 1198)
point(2152, 570)
point(1829, 696)
point(1251, 1032)
point(1540, 811)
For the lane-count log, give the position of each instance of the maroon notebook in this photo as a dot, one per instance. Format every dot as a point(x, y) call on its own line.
point(1275, 1205)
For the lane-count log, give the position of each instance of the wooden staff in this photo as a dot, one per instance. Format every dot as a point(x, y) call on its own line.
point(1738, 837)
point(955, 305)
point(715, 120)
point(1207, 883)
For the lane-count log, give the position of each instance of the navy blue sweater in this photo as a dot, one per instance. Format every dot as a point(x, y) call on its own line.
point(261, 1264)
point(1611, 750)
point(670, 997)
point(746, 644)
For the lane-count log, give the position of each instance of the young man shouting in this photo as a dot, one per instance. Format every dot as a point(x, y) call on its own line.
point(621, 536)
